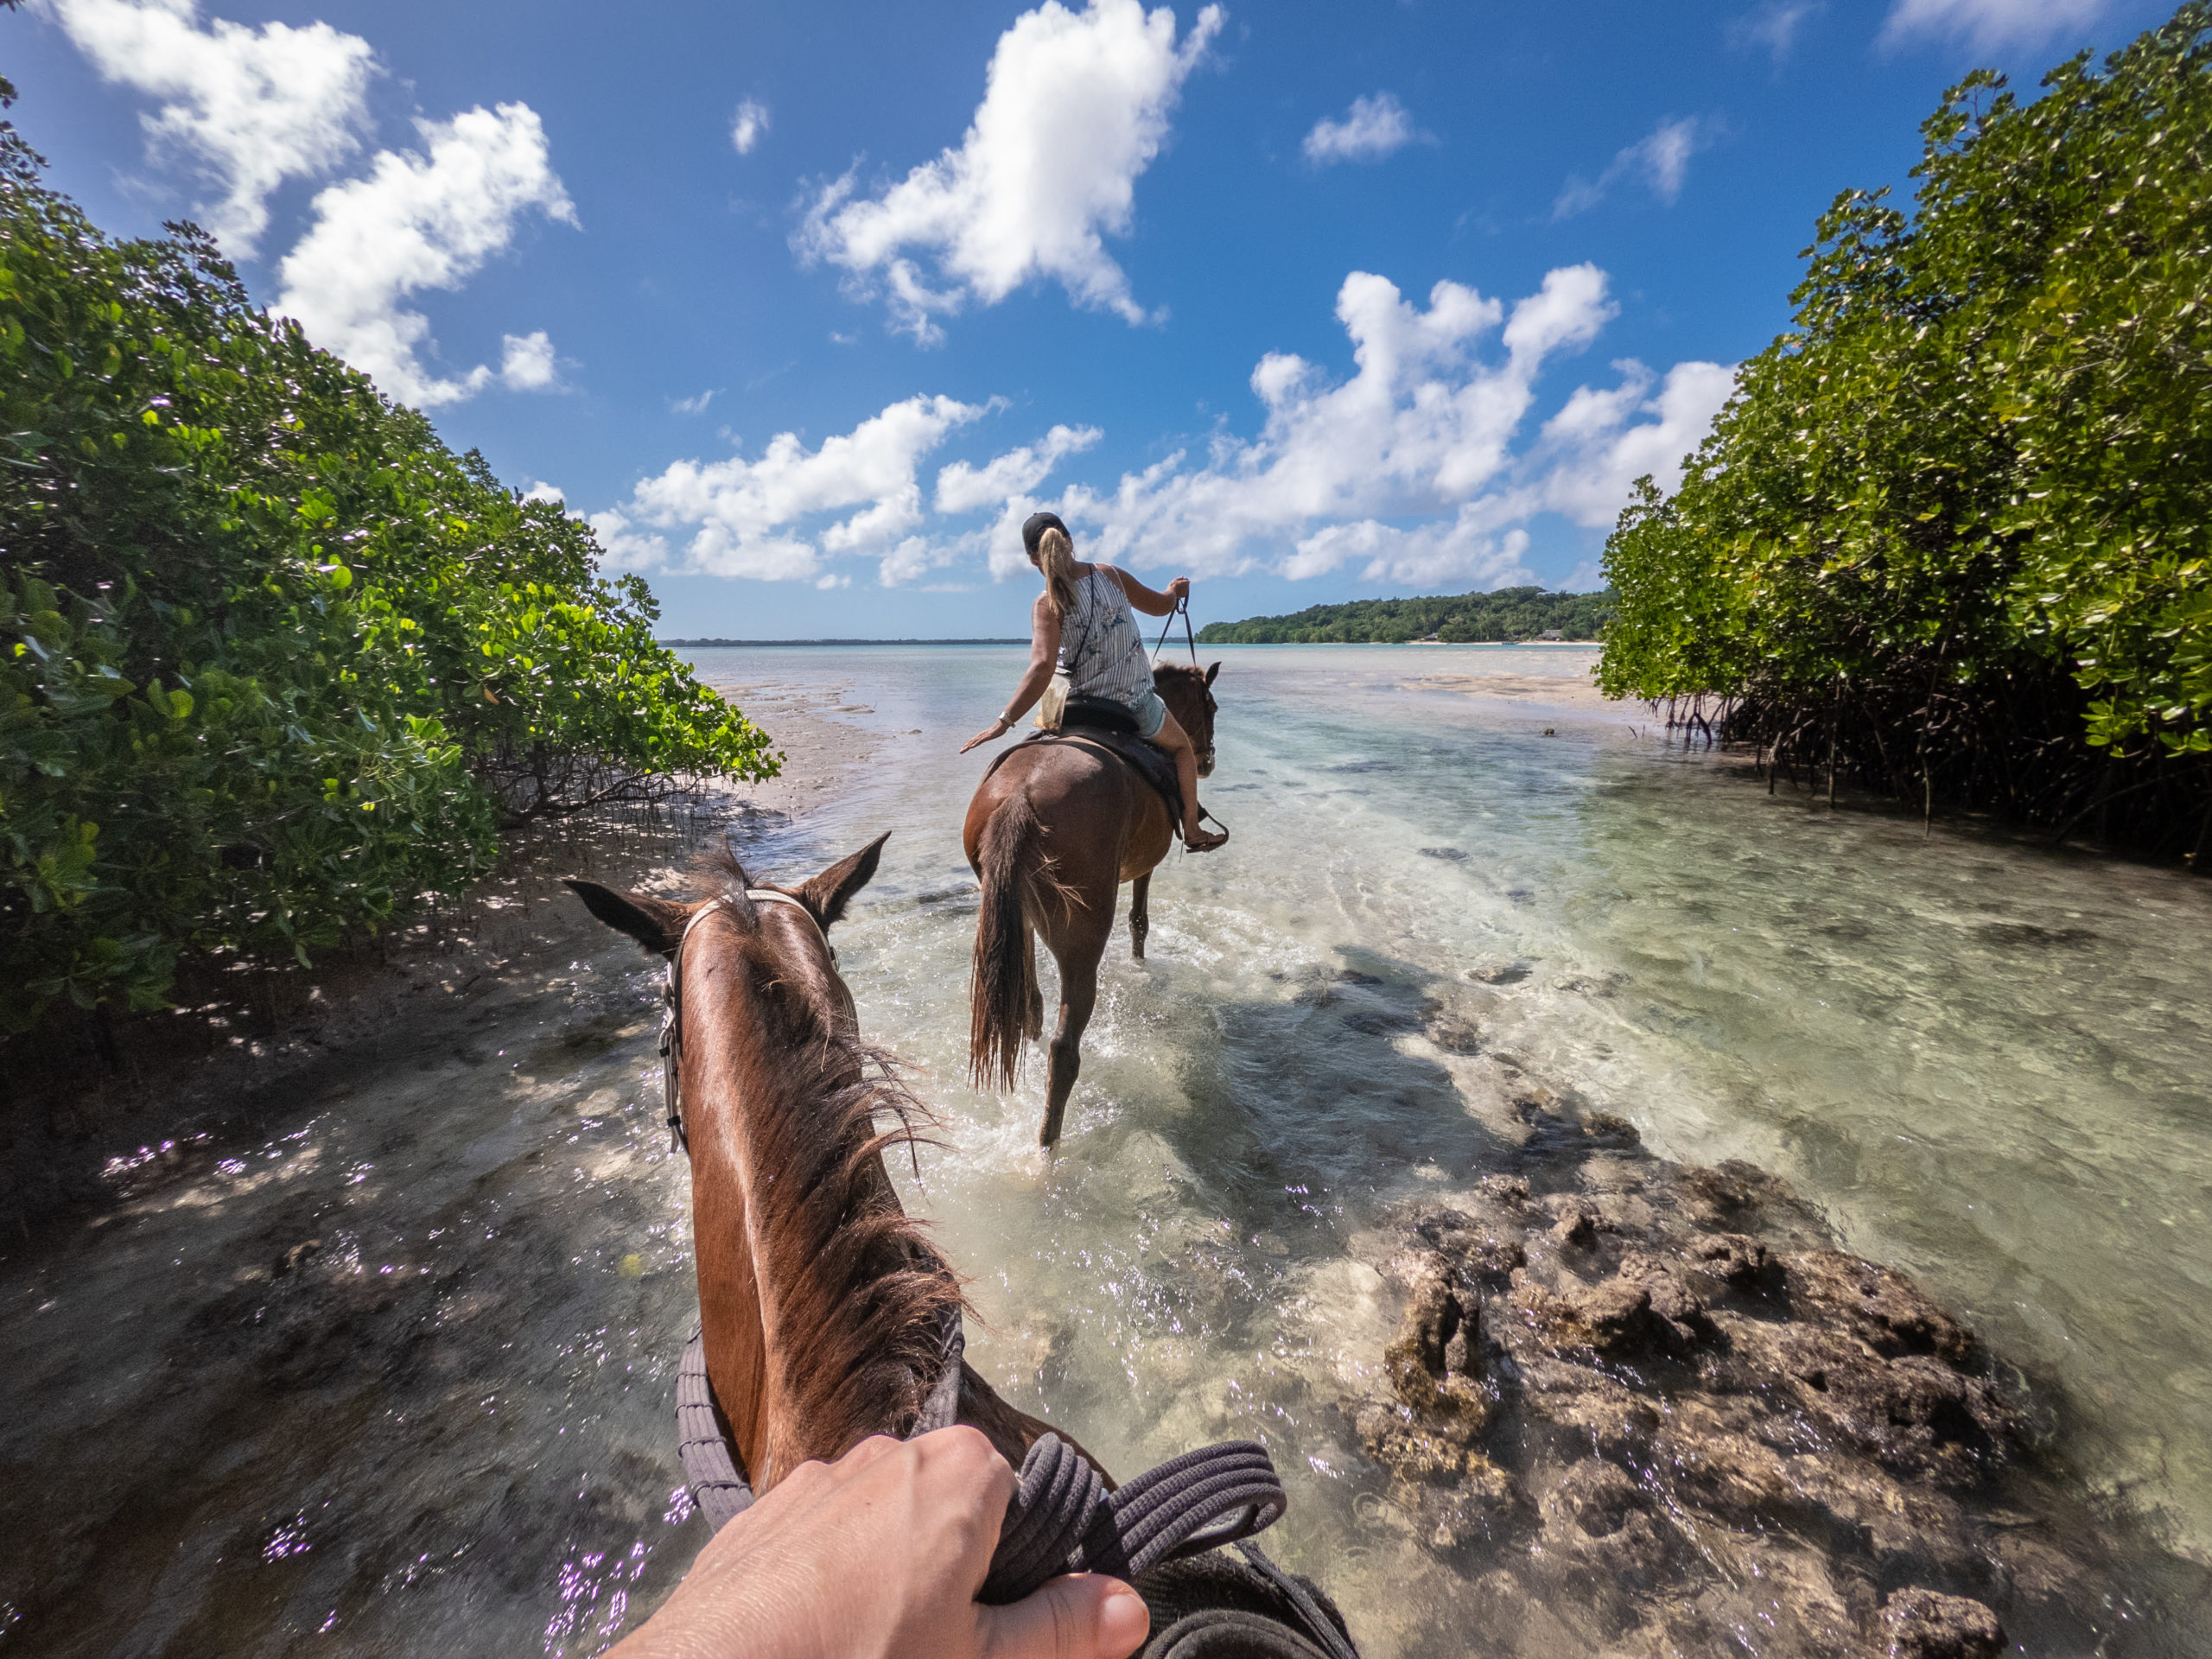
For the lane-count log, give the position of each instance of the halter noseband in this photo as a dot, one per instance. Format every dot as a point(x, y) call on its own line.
point(672, 997)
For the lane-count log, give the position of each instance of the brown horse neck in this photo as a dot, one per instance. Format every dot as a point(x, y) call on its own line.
point(819, 1297)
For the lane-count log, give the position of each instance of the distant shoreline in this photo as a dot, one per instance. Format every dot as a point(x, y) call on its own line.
point(698, 644)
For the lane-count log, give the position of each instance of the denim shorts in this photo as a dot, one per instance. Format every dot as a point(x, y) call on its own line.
point(1151, 713)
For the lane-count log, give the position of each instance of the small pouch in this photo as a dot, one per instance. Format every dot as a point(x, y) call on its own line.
point(1052, 707)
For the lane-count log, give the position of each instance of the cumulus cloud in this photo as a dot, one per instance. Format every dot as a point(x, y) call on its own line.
point(1987, 25)
point(752, 517)
point(1414, 468)
point(1660, 160)
point(1596, 447)
point(542, 490)
point(1075, 106)
point(423, 221)
point(527, 363)
point(964, 488)
point(1773, 26)
point(1409, 469)
point(749, 126)
point(1372, 129)
point(246, 108)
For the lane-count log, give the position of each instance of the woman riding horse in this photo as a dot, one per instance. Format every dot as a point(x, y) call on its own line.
point(1082, 623)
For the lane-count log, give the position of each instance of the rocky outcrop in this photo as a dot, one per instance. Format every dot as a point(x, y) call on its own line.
point(1656, 1407)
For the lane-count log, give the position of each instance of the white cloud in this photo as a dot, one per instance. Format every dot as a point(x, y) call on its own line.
point(1372, 129)
point(1660, 160)
point(1595, 448)
point(749, 126)
point(542, 490)
point(1409, 469)
point(1773, 25)
point(749, 518)
point(527, 364)
point(1075, 106)
point(1987, 25)
point(416, 222)
point(695, 406)
point(964, 488)
point(247, 108)
point(1413, 470)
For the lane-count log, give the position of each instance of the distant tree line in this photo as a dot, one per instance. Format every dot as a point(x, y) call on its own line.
point(276, 665)
point(1508, 614)
point(1952, 539)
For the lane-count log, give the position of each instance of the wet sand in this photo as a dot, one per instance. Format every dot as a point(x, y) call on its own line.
point(1561, 692)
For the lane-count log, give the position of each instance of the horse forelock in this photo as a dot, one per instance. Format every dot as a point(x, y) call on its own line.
point(850, 1286)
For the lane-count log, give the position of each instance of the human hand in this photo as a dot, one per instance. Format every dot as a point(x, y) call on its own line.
point(880, 1554)
point(1179, 590)
point(997, 728)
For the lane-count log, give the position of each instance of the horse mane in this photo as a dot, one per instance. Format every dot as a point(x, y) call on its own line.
point(857, 1292)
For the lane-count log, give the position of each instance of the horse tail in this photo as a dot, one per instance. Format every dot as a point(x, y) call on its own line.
point(1002, 1001)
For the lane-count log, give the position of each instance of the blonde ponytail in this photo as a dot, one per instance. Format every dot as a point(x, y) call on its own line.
point(1056, 559)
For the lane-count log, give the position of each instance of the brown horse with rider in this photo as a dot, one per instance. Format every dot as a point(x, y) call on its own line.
point(1057, 825)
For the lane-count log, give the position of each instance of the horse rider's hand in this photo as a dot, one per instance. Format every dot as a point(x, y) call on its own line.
point(1179, 590)
point(997, 728)
point(881, 1554)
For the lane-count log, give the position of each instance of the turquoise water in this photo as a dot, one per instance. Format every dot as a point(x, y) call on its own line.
point(450, 1427)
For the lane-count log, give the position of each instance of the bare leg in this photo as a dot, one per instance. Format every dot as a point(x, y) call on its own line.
point(1139, 915)
point(1177, 743)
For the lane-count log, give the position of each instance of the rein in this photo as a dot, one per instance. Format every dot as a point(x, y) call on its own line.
point(1182, 609)
point(671, 1015)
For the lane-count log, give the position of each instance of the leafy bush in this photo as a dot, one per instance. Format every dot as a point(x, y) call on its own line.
point(1952, 531)
point(1508, 614)
point(279, 665)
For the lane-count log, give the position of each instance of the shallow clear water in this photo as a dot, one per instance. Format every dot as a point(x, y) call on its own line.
point(1989, 1063)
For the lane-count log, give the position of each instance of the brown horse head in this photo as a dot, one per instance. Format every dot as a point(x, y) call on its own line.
point(820, 1302)
point(1187, 689)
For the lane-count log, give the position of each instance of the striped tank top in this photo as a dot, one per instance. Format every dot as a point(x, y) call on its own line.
point(1100, 646)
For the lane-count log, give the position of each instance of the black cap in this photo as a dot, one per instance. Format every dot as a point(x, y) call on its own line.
point(1033, 529)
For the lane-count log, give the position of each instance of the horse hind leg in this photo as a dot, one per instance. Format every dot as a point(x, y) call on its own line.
point(1078, 996)
point(1139, 915)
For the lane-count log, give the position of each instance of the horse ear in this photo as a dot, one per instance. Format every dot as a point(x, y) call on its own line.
point(657, 924)
point(1211, 672)
point(826, 894)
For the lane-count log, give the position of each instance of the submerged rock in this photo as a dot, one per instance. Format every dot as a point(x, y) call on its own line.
point(1656, 1405)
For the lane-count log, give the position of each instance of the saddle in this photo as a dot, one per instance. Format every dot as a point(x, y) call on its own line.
point(1100, 723)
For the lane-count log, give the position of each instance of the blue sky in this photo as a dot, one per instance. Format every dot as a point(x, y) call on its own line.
point(806, 307)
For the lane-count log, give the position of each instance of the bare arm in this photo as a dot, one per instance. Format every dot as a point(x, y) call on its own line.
point(1044, 655)
point(1144, 598)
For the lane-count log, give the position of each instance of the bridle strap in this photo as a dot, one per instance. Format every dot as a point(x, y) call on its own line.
point(672, 997)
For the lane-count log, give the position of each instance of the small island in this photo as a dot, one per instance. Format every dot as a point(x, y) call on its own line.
point(1509, 616)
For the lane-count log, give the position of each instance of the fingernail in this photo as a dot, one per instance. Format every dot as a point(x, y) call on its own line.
point(1123, 1619)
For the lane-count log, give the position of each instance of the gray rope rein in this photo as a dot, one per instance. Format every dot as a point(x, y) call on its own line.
point(1061, 1518)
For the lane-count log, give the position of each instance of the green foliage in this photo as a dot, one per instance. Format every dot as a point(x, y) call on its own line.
point(1957, 516)
point(1510, 614)
point(275, 664)
point(1951, 532)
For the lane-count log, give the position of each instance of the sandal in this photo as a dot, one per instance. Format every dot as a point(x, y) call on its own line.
point(1204, 842)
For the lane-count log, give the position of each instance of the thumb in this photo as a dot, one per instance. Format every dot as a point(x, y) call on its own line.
point(1083, 1616)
